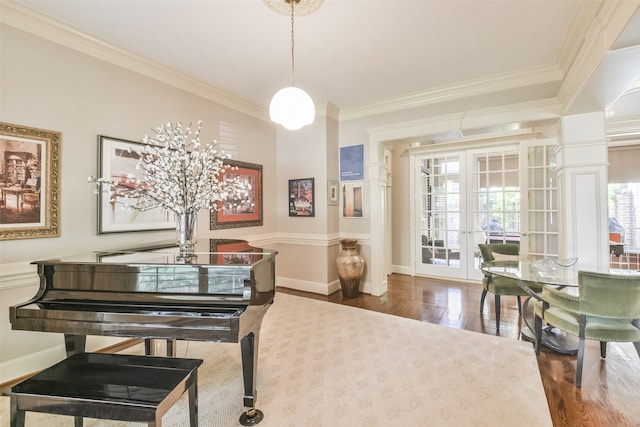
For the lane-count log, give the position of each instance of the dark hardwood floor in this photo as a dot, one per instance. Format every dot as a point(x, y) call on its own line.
point(610, 393)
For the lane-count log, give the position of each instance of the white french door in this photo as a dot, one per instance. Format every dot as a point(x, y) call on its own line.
point(441, 240)
point(464, 198)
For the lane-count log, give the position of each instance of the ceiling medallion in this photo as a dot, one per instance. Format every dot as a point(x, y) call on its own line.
point(302, 7)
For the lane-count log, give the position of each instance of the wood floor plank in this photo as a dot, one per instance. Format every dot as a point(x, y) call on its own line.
point(610, 393)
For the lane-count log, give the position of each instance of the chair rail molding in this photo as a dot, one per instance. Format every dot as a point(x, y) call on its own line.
point(18, 274)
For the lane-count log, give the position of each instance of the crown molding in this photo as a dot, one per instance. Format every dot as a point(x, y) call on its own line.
point(525, 112)
point(621, 129)
point(600, 36)
point(506, 140)
point(581, 25)
point(328, 110)
point(496, 83)
point(532, 111)
point(333, 112)
point(27, 20)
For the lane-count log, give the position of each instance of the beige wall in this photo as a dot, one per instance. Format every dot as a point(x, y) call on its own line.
point(45, 85)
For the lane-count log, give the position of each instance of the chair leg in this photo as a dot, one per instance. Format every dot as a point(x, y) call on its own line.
point(519, 305)
point(538, 330)
point(636, 323)
point(583, 321)
point(603, 349)
point(484, 295)
point(498, 312)
point(579, 366)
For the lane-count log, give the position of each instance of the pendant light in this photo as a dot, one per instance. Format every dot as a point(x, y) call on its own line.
point(292, 107)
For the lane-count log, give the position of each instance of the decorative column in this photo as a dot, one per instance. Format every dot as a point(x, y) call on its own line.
point(582, 189)
point(377, 179)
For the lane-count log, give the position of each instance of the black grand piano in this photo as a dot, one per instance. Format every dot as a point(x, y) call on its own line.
point(156, 293)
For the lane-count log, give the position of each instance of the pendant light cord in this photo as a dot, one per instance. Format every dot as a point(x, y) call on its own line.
point(292, 45)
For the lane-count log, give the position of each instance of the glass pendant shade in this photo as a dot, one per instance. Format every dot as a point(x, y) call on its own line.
point(292, 107)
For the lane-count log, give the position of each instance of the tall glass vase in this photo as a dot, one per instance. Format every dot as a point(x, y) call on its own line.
point(186, 232)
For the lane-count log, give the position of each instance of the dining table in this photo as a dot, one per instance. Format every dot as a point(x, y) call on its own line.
point(561, 274)
point(18, 192)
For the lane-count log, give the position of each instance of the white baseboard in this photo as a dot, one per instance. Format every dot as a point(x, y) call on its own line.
point(29, 363)
point(318, 288)
point(39, 360)
point(401, 269)
point(307, 286)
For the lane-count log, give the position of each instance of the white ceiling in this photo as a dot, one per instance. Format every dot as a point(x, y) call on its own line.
point(351, 53)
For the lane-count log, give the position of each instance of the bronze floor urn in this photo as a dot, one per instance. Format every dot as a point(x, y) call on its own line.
point(350, 267)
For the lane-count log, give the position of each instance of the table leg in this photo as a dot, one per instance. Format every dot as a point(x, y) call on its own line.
point(551, 337)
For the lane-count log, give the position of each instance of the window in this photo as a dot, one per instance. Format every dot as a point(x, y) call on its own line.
point(624, 205)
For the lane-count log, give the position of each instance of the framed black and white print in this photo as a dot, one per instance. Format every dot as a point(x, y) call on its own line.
point(333, 192)
point(117, 163)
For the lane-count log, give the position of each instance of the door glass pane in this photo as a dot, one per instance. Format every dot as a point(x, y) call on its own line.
point(542, 209)
point(537, 221)
point(497, 197)
point(440, 211)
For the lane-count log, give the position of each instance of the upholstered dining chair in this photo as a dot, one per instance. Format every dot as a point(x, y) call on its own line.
point(606, 309)
point(500, 286)
point(32, 199)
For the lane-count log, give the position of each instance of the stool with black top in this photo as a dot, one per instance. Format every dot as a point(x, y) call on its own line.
point(109, 386)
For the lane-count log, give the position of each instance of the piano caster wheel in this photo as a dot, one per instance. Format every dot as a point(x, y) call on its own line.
point(251, 417)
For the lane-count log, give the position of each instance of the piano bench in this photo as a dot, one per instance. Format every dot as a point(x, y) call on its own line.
point(109, 386)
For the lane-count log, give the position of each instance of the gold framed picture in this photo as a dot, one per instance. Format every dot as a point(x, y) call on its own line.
point(29, 182)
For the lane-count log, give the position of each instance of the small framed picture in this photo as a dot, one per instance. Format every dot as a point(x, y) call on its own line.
point(352, 202)
point(333, 190)
point(301, 197)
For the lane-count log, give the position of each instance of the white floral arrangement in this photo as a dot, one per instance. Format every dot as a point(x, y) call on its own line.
point(178, 173)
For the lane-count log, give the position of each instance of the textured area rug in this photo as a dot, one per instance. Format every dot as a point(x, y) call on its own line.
point(324, 364)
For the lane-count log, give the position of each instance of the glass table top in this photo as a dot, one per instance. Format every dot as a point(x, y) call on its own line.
point(544, 271)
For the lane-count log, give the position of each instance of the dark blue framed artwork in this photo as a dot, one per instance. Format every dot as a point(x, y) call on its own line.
point(352, 163)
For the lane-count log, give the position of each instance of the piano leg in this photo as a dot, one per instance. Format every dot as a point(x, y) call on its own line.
point(172, 348)
point(249, 350)
point(74, 344)
point(150, 347)
point(16, 415)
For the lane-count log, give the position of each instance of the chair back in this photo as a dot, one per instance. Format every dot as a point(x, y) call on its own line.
point(609, 295)
point(488, 249)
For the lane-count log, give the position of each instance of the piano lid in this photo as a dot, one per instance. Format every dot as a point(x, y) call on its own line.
point(221, 252)
point(161, 269)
